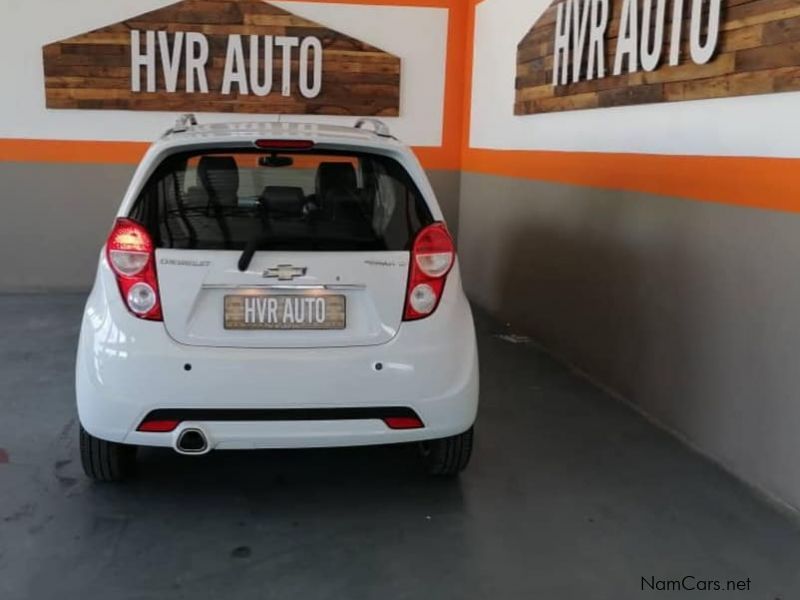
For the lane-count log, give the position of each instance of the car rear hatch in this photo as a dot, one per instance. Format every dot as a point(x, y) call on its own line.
point(325, 299)
point(281, 249)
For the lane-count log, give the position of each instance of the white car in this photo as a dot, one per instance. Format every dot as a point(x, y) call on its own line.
point(276, 285)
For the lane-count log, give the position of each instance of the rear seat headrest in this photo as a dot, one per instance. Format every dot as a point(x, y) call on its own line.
point(283, 200)
point(219, 176)
point(335, 177)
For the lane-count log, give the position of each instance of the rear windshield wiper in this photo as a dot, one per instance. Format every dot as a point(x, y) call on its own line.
point(253, 244)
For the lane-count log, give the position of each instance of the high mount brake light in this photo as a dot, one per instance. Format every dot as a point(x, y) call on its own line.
point(131, 255)
point(432, 257)
point(284, 144)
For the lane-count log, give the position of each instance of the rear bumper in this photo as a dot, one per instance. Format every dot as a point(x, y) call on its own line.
point(127, 368)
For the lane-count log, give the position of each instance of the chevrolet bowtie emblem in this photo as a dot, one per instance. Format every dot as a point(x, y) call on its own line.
point(285, 272)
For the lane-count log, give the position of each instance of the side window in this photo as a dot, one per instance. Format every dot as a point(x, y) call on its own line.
point(386, 202)
point(190, 177)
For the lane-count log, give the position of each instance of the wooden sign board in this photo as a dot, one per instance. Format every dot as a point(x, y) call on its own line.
point(243, 56)
point(598, 53)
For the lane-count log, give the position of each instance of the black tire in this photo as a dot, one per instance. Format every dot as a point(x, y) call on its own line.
point(447, 457)
point(106, 461)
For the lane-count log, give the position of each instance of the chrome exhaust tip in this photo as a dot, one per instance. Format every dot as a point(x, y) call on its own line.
point(191, 441)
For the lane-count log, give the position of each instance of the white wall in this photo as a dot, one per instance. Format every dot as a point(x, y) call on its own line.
point(744, 126)
point(417, 35)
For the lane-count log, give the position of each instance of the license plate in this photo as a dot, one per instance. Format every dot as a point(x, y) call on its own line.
point(285, 312)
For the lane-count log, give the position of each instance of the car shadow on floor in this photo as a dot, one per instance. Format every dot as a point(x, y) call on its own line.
point(384, 477)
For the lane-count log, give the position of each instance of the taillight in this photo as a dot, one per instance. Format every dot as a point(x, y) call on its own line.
point(131, 254)
point(432, 257)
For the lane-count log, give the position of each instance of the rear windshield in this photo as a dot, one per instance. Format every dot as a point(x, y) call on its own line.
point(281, 201)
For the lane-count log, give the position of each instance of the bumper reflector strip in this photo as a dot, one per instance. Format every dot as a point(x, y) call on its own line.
point(403, 422)
point(162, 426)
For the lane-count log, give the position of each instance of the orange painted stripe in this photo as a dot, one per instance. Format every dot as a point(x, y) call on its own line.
point(769, 183)
point(438, 158)
point(449, 155)
point(71, 151)
point(466, 83)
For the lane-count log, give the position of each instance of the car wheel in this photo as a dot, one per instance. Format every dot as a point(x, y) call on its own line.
point(447, 457)
point(106, 461)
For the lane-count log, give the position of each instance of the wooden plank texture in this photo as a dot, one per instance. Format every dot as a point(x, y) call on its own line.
point(758, 52)
point(92, 70)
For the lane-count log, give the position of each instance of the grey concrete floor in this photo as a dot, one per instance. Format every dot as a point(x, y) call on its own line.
point(569, 495)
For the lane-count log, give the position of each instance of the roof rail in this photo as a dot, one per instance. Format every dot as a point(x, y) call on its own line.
point(379, 127)
point(182, 124)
